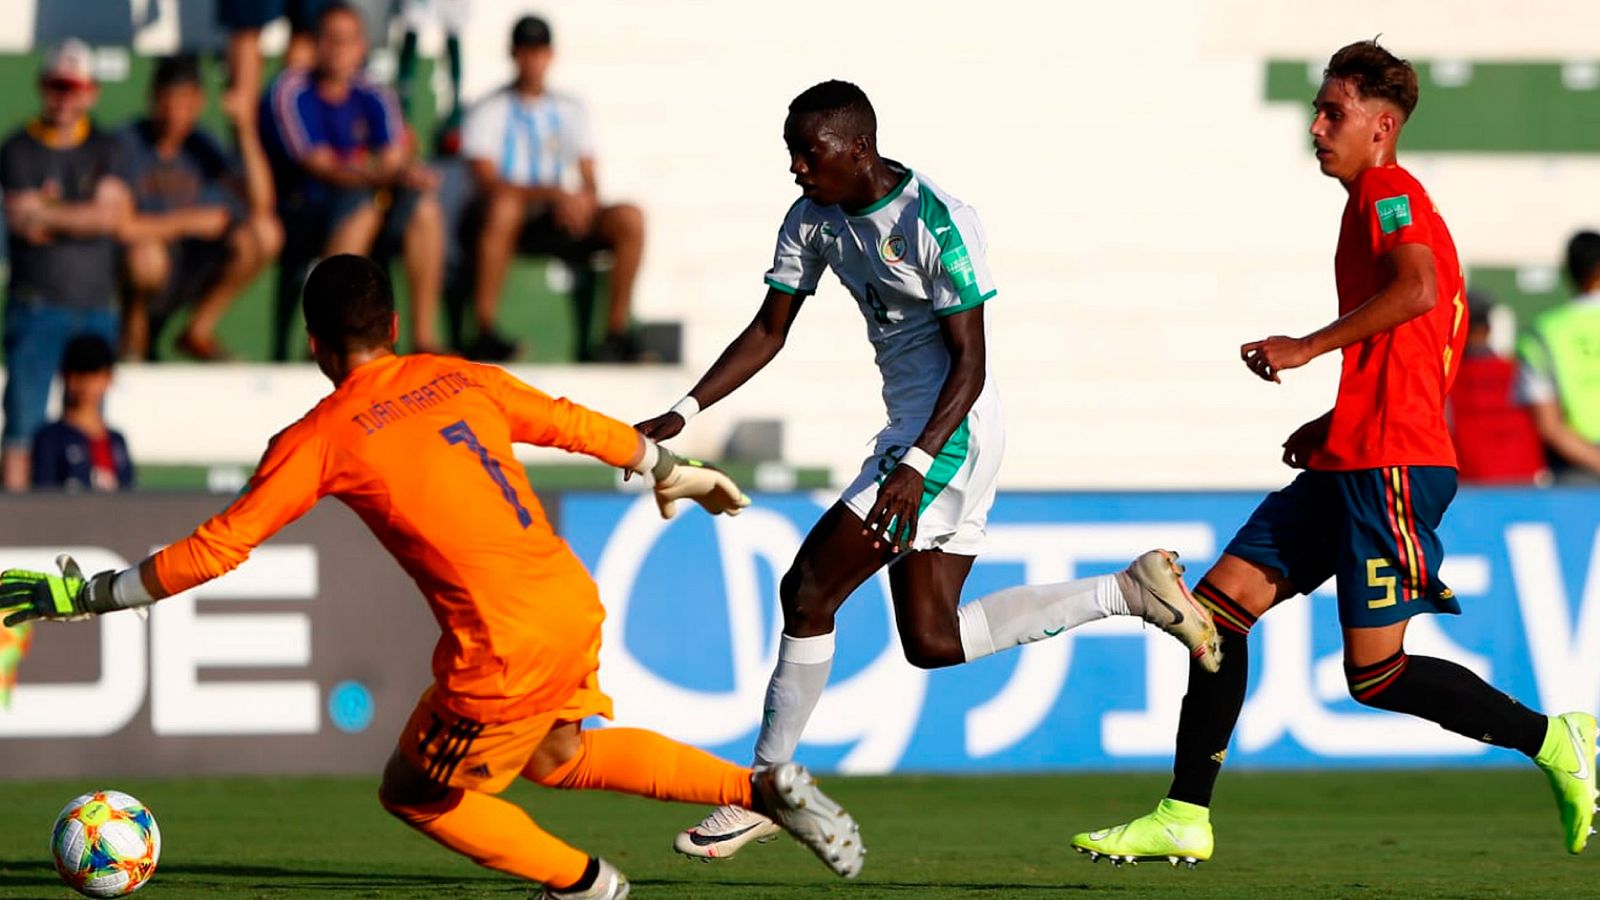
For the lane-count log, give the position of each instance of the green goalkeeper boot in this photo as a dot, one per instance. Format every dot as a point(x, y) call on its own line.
point(1176, 832)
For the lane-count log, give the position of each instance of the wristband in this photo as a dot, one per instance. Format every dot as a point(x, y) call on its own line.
point(647, 459)
point(664, 464)
point(128, 590)
point(688, 408)
point(917, 459)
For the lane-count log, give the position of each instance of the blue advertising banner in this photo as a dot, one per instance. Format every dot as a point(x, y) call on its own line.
point(694, 624)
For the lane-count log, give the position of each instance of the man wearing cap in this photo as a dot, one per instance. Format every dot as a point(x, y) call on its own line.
point(533, 159)
point(204, 223)
point(66, 197)
point(1560, 375)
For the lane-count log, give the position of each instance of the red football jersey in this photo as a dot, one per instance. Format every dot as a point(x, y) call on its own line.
point(1392, 388)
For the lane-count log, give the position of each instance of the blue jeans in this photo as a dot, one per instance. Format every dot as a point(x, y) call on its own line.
point(36, 335)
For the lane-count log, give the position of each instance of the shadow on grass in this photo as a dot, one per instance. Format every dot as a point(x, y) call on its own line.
point(33, 873)
point(874, 888)
point(19, 873)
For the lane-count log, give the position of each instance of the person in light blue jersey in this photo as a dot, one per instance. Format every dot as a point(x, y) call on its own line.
point(532, 157)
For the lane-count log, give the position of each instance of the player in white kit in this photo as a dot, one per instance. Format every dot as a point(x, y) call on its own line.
point(913, 257)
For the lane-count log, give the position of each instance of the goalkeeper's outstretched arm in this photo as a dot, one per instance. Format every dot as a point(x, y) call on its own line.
point(286, 484)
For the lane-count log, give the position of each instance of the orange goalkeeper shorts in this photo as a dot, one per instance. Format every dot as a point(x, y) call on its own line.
point(453, 750)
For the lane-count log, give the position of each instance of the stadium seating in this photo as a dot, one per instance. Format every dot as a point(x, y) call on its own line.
point(1138, 236)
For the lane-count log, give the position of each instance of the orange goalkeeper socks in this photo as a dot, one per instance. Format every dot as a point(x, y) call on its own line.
point(496, 834)
point(635, 761)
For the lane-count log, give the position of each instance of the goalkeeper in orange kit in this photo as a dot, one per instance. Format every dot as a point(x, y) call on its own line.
point(420, 447)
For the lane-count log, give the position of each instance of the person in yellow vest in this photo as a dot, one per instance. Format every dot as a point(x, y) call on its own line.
point(1559, 380)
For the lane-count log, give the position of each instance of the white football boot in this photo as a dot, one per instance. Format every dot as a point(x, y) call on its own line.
point(610, 884)
point(1165, 602)
point(722, 833)
point(791, 795)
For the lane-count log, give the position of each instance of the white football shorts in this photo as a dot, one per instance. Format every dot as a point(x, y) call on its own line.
point(959, 488)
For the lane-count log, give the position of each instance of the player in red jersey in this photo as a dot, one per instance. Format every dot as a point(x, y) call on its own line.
point(1379, 473)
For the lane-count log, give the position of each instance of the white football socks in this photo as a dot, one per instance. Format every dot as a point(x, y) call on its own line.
point(1034, 612)
point(793, 692)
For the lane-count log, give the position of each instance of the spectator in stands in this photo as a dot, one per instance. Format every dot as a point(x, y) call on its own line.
point(243, 20)
point(345, 171)
point(66, 197)
point(81, 452)
point(451, 17)
point(1560, 376)
point(533, 159)
point(1495, 437)
point(204, 225)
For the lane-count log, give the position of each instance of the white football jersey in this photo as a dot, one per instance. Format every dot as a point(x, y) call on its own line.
point(530, 141)
point(914, 256)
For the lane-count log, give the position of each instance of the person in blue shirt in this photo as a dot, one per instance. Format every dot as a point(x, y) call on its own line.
point(80, 451)
point(347, 177)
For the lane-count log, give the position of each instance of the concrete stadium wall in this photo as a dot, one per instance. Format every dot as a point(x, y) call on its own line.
point(1148, 211)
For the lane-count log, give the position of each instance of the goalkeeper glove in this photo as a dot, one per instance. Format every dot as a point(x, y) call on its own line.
point(66, 597)
point(678, 478)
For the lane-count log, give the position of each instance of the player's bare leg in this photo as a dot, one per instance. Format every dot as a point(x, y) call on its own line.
point(834, 560)
point(926, 586)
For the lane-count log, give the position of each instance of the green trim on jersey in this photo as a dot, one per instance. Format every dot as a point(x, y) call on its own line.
point(885, 201)
point(953, 254)
point(780, 286)
point(964, 305)
point(951, 457)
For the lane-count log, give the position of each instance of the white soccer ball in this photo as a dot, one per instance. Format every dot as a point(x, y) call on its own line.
point(105, 844)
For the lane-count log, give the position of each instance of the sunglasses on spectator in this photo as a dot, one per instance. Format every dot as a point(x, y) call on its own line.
point(64, 85)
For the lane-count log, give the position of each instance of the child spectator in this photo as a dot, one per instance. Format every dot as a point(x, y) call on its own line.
point(81, 452)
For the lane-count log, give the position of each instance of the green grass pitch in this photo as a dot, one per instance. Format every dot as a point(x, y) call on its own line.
point(1284, 834)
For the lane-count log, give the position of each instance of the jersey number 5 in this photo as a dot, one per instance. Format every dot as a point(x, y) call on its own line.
point(461, 433)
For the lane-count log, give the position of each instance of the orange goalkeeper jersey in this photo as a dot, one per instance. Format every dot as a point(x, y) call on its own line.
point(420, 447)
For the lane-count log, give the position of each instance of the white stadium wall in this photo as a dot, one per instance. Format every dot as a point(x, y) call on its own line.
point(1147, 212)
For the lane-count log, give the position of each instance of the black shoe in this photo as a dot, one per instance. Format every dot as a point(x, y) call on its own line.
point(618, 347)
point(490, 346)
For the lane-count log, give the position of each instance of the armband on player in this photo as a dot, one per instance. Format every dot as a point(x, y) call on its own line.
point(687, 408)
point(918, 460)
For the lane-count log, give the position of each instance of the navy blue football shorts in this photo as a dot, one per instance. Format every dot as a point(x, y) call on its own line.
point(1374, 530)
